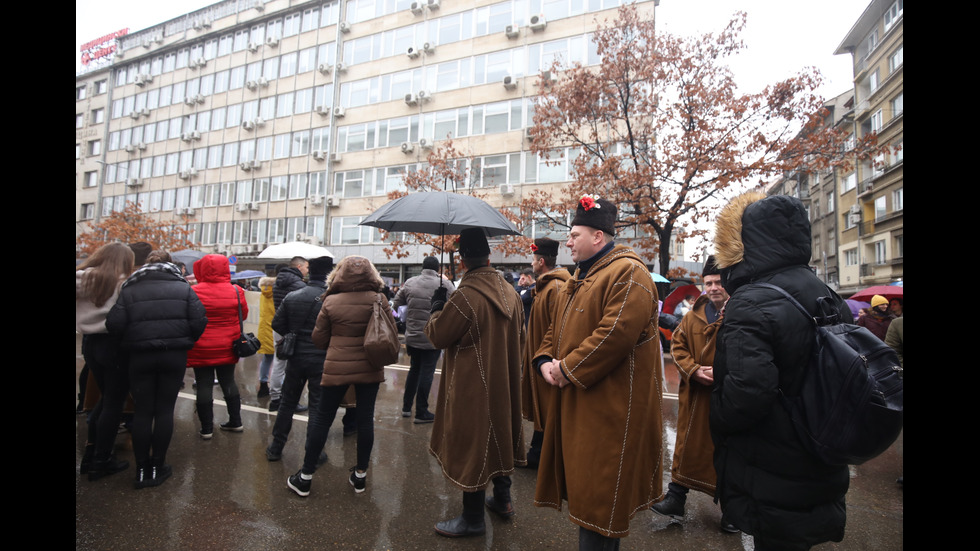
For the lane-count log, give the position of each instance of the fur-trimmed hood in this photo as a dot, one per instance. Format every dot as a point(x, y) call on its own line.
point(756, 235)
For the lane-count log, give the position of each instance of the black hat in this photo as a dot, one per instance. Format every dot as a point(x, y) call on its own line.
point(596, 213)
point(430, 263)
point(473, 243)
point(320, 267)
point(545, 247)
point(710, 268)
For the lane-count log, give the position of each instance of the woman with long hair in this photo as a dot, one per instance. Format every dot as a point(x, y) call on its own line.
point(353, 287)
point(97, 284)
point(158, 318)
point(213, 354)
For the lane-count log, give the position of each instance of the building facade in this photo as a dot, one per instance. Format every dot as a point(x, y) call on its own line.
point(259, 122)
point(872, 195)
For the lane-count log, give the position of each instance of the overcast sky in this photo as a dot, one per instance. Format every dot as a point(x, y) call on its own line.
point(783, 36)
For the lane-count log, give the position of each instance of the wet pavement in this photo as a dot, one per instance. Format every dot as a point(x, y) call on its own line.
point(225, 495)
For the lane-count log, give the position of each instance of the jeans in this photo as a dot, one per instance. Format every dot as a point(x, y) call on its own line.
point(323, 416)
point(205, 391)
point(264, 365)
point(419, 380)
point(298, 374)
point(278, 372)
point(156, 377)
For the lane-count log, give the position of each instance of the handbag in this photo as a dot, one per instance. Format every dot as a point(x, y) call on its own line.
point(286, 347)
point(247, 344)
point(381, 337)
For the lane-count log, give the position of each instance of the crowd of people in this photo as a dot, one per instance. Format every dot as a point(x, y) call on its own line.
point(577, 352)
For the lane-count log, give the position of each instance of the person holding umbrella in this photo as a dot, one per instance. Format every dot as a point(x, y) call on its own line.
point(878, 318)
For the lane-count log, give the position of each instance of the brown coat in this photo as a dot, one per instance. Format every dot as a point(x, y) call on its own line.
point(536, 393)
point(353, 288)
point(603, 437)
point(692, 346)
point(478, 431)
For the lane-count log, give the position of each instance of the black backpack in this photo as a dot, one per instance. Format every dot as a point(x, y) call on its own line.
point(849, 405)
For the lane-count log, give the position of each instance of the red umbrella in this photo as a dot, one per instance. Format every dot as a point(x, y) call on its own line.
point(887, 291)
point(678, 294)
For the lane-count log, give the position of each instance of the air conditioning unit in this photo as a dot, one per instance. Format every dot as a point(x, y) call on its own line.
point(134, 182)
point(139, 80)
point(332, 201)
point(198, 25)
point(433, 4)
point(412, 52)
point(507, 189)
point(339, 112)
point(513, 30)
point(854, 219)
point(272, 42)
point(253, 46)
point(246, 166)
point(547, 77)
point(538, 22)
point(241, 207)
point(189, 100)
point(408, 147)
point(319, 155)
point(130, 148)
point(335, 157)
point(527, 134)
point(147, 43)
point(341, 67)
point(429, 48)
point(141, 146)
point(259, 122)
point(195, 135)
point(301, 237)
point(186, 136)
point(316, 200)
point(344, 27)
point(186, 211)
point(263, 82)
point(256, 165)
point(199, 98)
point(411, 100)
point(201, 62)
point(855, 209)
point(322, 110)
point(324, 68)
point(134, 115)
point(184, 175)
point(425, 143)
point(254, 205)
point(145, 112)
point(416, 7)
point(251, 84)
point(510, 82)
point(248, 125)
point(424, 95)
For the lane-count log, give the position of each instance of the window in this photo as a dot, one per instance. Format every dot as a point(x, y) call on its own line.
point(872, 42)
point(851, 257)
point(830, 202)
point(91, 179)
point(881, 256)
point(873, 81)
point(898, 105)
point(79, 92)
point(894, 13)
point(898, 199)
point(876, 121)
point(87, 211)
point(79, 120)
point(98, 116)
point(100, 87)
point(880, 208)
point(346, 231)
point(896, 59)
point(95, 147)
point(899, 246)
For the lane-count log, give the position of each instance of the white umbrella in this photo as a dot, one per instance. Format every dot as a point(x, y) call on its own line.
point(285, 251)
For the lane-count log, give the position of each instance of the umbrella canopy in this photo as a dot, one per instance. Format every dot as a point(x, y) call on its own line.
point(247, 274)
point(677, 295)
point(657, 278)
point(440, 213)
point(887, 291)
point(855, 306)
point(188, 257)
point(285, 251)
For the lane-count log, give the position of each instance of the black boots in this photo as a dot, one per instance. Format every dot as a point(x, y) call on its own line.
point(106, 467)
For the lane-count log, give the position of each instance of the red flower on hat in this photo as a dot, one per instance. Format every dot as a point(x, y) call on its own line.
point(534, 248)
point(588, 202)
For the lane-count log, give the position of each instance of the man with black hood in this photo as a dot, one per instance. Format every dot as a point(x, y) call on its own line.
point(769, 485)
point(288, 279)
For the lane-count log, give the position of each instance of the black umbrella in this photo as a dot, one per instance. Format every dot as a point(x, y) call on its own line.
point(440, 213)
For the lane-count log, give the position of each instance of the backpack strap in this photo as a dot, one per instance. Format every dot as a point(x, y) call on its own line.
point(792, 300)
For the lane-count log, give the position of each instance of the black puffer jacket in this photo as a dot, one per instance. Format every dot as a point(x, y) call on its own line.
point(157, 310)
point(297, 314)
point(768, 484)
point(287, 281)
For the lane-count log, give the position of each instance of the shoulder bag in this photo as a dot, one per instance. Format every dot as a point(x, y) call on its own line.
point(381, 337)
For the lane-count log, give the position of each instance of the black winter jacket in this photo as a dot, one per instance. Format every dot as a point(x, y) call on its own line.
point(157, 310)
point(769, 485)
point(297, 314)
point(288, 280)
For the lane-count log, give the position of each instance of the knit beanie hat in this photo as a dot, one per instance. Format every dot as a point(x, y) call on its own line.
point(878, 300)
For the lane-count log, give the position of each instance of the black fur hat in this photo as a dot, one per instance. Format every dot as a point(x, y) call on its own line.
point(545, 247)
point(596, 213)
point(473, 243)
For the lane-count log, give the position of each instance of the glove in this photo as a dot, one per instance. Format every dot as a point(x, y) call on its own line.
point(439, 299)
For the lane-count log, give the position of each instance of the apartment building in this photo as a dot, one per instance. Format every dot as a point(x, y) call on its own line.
point(872, 195)
point(256, 122)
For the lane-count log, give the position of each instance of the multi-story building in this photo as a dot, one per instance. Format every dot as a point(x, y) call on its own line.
point(872, 195)
point(818, 192)
point(258, 122)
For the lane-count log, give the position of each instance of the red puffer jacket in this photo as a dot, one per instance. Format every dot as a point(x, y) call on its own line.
point(216, 292)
